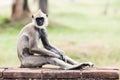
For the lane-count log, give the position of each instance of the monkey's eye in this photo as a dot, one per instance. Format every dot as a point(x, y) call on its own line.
point(40, 21)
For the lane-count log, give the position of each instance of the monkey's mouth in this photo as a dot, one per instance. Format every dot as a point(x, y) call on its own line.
point(40, 21)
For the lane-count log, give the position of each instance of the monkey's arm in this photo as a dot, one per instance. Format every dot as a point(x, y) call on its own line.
point(47, 45)
point(44, 52)
point(34, 49)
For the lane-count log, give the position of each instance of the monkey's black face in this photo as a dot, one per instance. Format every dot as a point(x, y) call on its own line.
point(40, 21)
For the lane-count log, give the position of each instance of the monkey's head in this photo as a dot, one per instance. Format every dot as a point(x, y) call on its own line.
point(40, 19)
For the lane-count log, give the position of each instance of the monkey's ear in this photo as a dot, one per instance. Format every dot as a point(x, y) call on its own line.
point(32, 16)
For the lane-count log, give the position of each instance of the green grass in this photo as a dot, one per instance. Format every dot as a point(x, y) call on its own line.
point(80, 29)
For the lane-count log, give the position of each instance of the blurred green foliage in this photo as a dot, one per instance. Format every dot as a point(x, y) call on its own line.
point(81, 29)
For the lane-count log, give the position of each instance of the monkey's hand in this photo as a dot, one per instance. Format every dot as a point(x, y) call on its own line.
point(59, 52)
point(62, 54)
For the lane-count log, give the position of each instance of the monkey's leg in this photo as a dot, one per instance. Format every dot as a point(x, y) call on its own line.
point(59, 62)
point(37, 61)
point(34, 61)
point(82, 65)
point(71, 61)
point(64, 65)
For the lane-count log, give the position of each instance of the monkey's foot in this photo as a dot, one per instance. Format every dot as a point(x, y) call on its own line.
point(81, 66)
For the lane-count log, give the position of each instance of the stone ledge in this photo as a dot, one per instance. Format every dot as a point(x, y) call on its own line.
point(50, 73)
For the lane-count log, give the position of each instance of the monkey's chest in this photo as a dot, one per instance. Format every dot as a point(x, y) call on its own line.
point(40, 33)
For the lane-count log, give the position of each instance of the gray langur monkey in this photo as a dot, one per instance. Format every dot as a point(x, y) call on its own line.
point(31, 55)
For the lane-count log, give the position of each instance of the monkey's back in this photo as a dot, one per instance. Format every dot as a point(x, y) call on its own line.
point(27, 33)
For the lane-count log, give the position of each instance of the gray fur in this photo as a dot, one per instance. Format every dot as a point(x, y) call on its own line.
point(31, 55)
